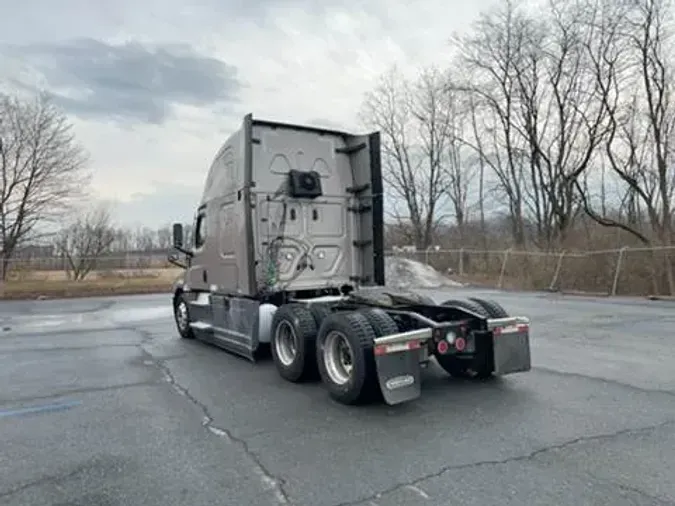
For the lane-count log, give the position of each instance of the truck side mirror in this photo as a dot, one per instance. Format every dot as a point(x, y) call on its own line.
point(177, 235)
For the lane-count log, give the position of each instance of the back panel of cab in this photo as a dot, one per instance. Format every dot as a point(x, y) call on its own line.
point(311, 243)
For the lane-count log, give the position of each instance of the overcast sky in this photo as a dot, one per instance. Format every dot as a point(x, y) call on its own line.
point(155, 87)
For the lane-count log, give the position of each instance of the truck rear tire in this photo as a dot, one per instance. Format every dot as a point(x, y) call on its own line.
point(491, 307)
point(477, 368)
point(466, 304)
point(381, 323)
point(344, 355)
point(293, 342)
point(319, 310)
point(455, 367)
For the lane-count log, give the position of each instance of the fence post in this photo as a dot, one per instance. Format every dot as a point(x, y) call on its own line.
point(556, 274)
point(501, 274)
point(461, 261)
point(617, 271)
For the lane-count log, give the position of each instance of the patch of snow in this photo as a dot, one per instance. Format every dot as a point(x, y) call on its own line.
point(142, 314)
point(43, 321)
point(402, 273)
point(89, 320)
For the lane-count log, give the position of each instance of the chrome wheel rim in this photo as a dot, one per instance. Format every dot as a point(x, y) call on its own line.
point(286, 343)
point(182, 315)
point(338, 357)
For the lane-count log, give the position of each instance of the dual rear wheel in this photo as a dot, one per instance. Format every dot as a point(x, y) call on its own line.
point(310, 341)
point(293, 342)
point(335, 346)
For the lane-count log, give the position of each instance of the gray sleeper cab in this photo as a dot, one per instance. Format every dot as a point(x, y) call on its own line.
point(289, 233)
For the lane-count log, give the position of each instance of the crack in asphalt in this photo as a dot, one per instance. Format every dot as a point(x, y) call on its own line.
point(607, 381)
point(268, 480)
point(276, 484)
point(637, 491)
point(522, 458)
point(69, 348)
point(51, 479)
point(66, 393)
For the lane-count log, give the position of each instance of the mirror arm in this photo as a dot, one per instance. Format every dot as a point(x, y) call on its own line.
point(177, 263)
point(184, 251)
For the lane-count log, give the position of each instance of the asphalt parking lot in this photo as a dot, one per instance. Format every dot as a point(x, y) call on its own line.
point(101, 405)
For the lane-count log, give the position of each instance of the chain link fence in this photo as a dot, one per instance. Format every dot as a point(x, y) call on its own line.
point(624, 271)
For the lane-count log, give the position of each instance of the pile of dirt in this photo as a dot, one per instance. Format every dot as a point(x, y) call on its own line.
point(402, 273)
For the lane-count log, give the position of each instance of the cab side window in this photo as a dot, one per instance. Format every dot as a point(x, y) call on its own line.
point(200, 231)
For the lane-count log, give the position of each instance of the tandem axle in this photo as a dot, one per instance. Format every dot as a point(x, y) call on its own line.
point(371, 343)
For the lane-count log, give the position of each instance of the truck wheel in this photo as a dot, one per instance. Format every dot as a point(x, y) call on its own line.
point(181, 314)
point(479, 367)
point(466, 304)
point(293, 341)
point(319, 311)
point(493, 309)
point(381, 322)
point(344, 355)
point(453, 366)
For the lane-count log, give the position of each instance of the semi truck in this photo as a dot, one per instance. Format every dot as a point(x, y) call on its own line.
point(287, 255)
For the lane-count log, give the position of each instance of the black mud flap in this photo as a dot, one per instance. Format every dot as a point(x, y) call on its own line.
point(511, 350)
point(399, 376)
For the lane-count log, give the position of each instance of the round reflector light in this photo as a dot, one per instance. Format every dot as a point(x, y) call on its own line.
point(460, 344)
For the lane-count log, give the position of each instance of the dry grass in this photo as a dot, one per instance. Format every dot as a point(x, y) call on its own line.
point(642, 273)
point(54, 284)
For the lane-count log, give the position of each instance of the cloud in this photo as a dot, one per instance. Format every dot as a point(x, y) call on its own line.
point(129, 81)
point(165, 204)
point(177, 76)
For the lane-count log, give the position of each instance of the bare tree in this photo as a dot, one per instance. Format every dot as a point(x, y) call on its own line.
point(653, 31)
point(489, 53)
point(164, 237)
point(638, 147)
point(414, 120)
point(85, 240)
point(473, 129)
point(627, 151)
point(145, 239)
point(566, 94)
point(461, 164)
point(123, 240)
point(438, 116)
point(42, 170)
point(540, 106)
